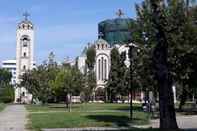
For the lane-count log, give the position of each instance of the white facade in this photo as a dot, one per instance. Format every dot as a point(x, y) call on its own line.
point(10, 65)
point(82, 64)
point(103, 62)
point(24, 56)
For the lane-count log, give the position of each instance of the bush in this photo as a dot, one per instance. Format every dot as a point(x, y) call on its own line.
point(7, 95)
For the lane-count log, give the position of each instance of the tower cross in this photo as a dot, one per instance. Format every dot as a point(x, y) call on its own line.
point(100, 35)
point(26, 15)
point(120, 13)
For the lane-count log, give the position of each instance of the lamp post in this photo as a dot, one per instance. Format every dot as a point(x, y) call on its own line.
point(131, 46)
point(147, 99)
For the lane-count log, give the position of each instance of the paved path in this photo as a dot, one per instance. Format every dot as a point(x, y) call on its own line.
point(188, 123)
point(13, 118)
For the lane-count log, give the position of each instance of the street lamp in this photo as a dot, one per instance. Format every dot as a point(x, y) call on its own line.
point(131, 46)
point(147, 99)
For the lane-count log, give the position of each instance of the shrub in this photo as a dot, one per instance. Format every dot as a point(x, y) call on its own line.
point(7, 94)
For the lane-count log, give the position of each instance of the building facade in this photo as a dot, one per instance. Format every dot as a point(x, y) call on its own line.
point(10, 65)
point(103, 62)
point(24, 56)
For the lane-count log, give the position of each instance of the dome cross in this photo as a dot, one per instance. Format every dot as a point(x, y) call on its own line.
point(26, 15)
point(120, 13)
point(101, 35)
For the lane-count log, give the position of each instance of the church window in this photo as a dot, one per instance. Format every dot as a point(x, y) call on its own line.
point(24, 54)
point(24, 67)
point(102, 69)
point(99, 69)
point(102, 46)
point(105, 66)
point(25, 44)
point(23, 94)
point(25, 41)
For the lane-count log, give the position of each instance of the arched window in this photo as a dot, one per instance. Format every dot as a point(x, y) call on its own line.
point(25, 44)
point(24, 54)
point(102, 69)
point(99, 69)
point(23, 94)
point(25, 39)
point(24, 67)
point(105, 62)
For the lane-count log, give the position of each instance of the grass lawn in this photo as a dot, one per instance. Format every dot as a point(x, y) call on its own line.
point(84, 115)
point(2, 106)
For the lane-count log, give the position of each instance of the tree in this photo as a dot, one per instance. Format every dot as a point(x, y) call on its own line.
point(6, 89)
point(185, 75)
point(7, 94)
point(113, 80)
point(38, 81)
point(5, 77)
point(91, 55)
point(164, 23)
point(90, 75)
point(123, 76)
point(68, 81)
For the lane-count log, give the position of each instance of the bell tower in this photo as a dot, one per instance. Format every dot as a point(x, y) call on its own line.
point(24, 55)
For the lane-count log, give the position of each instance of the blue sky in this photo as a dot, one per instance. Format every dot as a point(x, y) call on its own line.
point(61, 26)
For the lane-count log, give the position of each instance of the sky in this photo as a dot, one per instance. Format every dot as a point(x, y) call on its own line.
point(61, 26)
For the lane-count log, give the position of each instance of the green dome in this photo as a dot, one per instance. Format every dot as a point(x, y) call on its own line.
point(116, 31)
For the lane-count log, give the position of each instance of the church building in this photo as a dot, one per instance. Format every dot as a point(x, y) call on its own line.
point(24, 56)
point(113, 33)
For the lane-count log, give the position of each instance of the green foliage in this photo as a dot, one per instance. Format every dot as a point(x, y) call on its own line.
point(6, 90)
point(50, 82)
point(68, 80)
point(7, 94)
point(90, 61)
point(180, 31)
point(5, 78)
point(118, 76)
point(170, 33)
point(37, 81)
point(90, 76)
point(87, 93)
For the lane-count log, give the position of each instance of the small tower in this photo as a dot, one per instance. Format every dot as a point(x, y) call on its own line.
point(24, 55)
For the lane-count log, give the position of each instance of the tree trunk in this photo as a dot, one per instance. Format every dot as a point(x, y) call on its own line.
point(70, 102)
point(166, 99)
point(183, 99)
point(162, 73)
point(32, 100)
point(67, 102)
point(131, 105)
